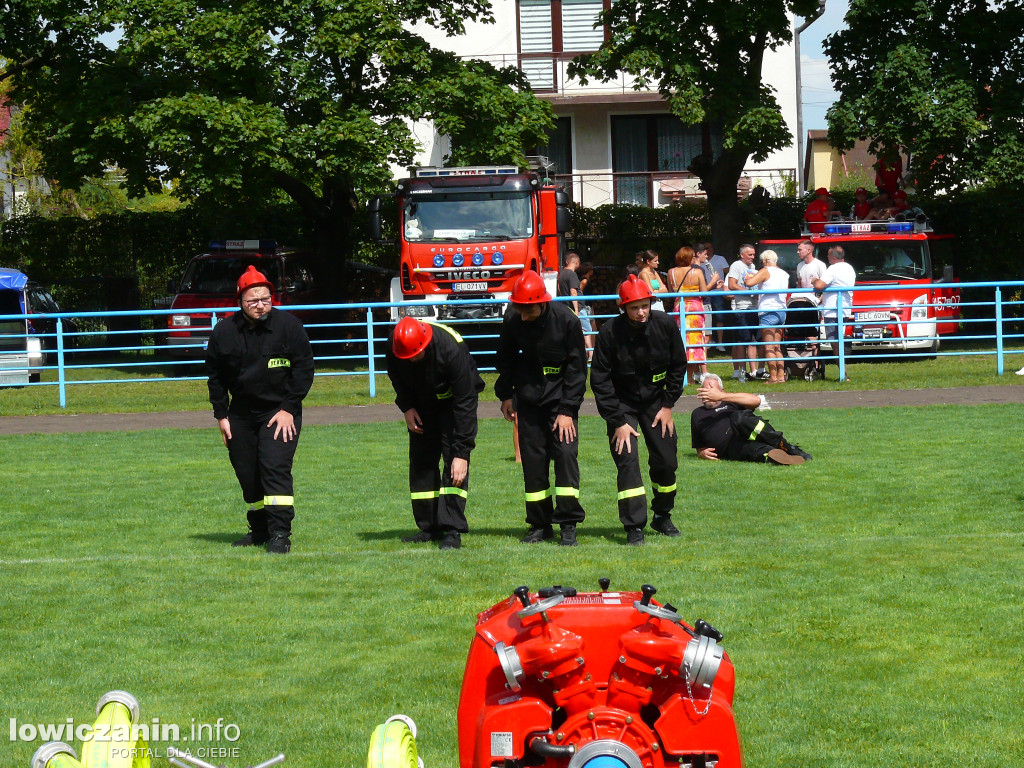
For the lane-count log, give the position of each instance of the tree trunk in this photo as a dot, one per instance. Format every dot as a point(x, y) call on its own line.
point(720, 179)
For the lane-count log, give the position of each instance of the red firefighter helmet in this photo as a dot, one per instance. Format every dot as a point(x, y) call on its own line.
point(529, 289)
point(251, 278)
point(633, 289)
point(411, 337)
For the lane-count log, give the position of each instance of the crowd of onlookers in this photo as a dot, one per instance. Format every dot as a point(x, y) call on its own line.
point(720, 312)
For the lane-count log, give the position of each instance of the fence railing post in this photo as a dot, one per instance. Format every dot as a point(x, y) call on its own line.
point(999, 331)
point(840, 335)
point(369, 352)
point(60, 364)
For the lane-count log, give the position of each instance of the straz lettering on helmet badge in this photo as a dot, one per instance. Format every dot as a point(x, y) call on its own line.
point(279, 362)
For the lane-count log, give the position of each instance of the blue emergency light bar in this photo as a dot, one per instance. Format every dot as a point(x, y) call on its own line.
point(243, 245)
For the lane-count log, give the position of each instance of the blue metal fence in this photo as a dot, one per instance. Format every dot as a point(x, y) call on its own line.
point(354, 347)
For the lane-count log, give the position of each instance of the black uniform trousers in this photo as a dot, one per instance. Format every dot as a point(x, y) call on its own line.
point(662, 463)
point(263, 467)
point(752, 438)
point(437, 505)
point(539, 446)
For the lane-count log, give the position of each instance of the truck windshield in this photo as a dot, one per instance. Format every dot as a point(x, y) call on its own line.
point(221, 275)
point(471, 216)
point(874, 259)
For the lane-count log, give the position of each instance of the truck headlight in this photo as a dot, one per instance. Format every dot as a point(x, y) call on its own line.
point(919, 308)
point(34, 347)
point(180, 321)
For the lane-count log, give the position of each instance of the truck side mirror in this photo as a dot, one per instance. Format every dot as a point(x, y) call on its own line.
point(563, 220)
point(373, 206)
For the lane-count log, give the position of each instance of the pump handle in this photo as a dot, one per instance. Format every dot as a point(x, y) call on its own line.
point(604, 582)
point(523, 593)
point(703, 628)
point(648, 592)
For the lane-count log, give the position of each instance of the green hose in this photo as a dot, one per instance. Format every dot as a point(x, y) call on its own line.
point(392, 745)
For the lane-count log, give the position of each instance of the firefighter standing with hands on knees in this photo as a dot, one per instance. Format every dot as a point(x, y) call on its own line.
point(260, 367)
point(437, 388)
point(637, 376)
point(542, 377)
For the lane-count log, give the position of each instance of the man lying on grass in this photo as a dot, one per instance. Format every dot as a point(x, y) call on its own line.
point(726, 427)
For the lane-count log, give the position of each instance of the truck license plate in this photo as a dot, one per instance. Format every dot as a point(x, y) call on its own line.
point(460, 287)
point(872, 316)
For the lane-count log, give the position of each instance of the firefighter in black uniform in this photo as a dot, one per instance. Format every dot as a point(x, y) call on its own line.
point(437, 388)
point(637, 376)
point(542, 376)
point(726, 427)
point(262, 358)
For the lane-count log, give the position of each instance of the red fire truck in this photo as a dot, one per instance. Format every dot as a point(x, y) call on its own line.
point(467, 233)
point(211, 278)
point(911, 308)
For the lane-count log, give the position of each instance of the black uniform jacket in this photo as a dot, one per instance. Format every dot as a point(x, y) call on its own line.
point(446, 377)
point(715, 428)
point(543, 362)
point(635, 366)
point(266, 366)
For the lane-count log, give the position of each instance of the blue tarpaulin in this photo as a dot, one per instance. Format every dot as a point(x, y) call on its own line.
point(13, 280)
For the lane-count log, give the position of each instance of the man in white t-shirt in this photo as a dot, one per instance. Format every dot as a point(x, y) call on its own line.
point(809, 269)
point(839, 274)
point(744, 317)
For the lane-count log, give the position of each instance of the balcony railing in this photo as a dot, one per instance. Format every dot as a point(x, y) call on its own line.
point(656, 189)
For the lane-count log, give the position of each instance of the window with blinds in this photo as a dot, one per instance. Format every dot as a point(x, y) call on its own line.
point(578, 19)
point(536, 36)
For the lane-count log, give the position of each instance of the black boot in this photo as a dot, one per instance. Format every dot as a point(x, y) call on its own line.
point(280, 544)
point(258, 533)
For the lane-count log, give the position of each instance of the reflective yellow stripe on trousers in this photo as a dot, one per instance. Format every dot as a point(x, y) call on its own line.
point(565, 490)
point(756, 431)
point(416, 495)
point(630, 493)
point(538, 495)
point(278, 501)
point(452, 490)
point(663, 488)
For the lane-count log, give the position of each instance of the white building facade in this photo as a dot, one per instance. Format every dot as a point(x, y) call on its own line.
point(612, 144)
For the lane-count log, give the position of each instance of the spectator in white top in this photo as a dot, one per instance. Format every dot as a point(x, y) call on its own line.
point(743, 319)
point(771, 311)
point(838, 275)
point(809, 269)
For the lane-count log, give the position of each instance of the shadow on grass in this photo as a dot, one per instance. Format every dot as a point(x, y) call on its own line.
point(217, 538)
point(583, 533)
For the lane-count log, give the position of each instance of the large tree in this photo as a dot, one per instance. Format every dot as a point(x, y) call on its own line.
point(239, 99)
point(940, 79)
point(705, 58)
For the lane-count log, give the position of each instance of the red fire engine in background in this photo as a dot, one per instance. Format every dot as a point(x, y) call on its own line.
point(467, 233)
point(911, 307)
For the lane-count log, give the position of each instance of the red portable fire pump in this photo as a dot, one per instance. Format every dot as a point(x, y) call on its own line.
point(592, 680)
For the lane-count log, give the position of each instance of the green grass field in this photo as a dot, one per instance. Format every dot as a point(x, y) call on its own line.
point(870, 599)
point(966, 364)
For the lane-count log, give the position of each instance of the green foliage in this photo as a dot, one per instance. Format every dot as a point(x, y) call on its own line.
point(705, 59)
point(850, 590)
point(941, 79)
point(236, 102)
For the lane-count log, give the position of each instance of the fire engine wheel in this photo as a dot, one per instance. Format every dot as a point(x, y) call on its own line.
point(393, 745)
